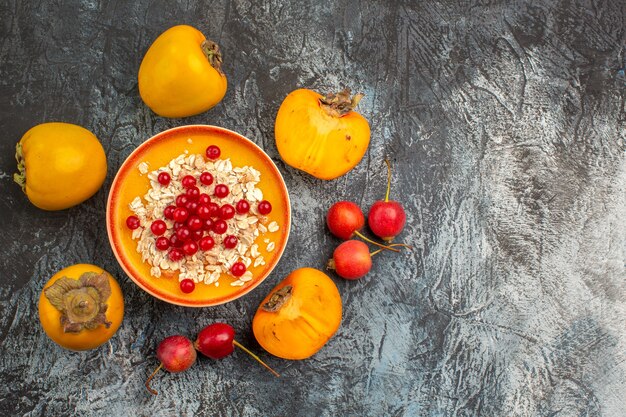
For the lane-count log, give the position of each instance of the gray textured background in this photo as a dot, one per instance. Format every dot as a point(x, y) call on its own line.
point(505, 122)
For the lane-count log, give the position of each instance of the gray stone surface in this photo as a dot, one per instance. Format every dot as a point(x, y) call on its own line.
point(505, 125)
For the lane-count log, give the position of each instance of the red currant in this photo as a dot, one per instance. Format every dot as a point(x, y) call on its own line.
point(196, 235)
point(238, 269)
point(158, 227)
point(194, 223)
point(192, 206)
point(180, 214)
point(264, 207)
point(164, 178)
point(193, 193)
point(132, 222)
point(203, 211)
point(208, 224)
point(227, 212)
point(175, 242)
point(175, 254)
point(188, 181)
point(204, 199)
point(190, 247)
point(220, 226)
point(162, 243)
point(168, 212)
point(187, 286)
point(213, 152)
point(242, 206)
point(206, 178)
point(178, 225)
point(221, 190)
point(230, 241)
point(183, 233)
point(181, 200)
point(207, 243)
point(214, 209)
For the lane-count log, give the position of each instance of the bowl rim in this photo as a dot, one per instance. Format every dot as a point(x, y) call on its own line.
point(134, 275)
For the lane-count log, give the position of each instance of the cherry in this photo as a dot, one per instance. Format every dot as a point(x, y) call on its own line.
point(213, 152)
point(221, 190)
point(181, 200)
point(193, 193)
point(264, 207)
point(176, 354)
point(206, 178)
point(194, 223)
point(203, 212)
point(196, 235)
point(183, 233)
point(164, 178)
point(238, 269)
point(242, 207)
point(206, 243)
point(220, 226)
point(188, 181)
point(351, 260)
point(168, 212)
point(208, 224)
point(386, 218)
point(192, 206)
point(230, 241)
point(227, 212)
point(175, 254)
point(162, 243)
point(158, 227)
point(217, 341)
point(180, 214)
point(187, 286)
point(132, 222)
point(204, 198)
point(178, 225)
point(175, 242)
point(190, 247)
point(214, 209)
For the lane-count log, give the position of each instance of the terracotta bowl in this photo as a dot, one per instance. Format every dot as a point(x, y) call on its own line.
point(158, 151)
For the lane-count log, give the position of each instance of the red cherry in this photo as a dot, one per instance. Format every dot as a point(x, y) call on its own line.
point(351, 259)
point(203, 211)
point(196, 235)
point(206, 178)
point(175, 255)
point(227, 212)
point(214, 209)
point(187, 286)
point(181, 200)
point(158, 227)
point(190, 247)
point(193, 193)
point(183, 233)
point(207, 243)
point(168, 212)
point(345, 219)
point(221, 190)
point(208, 224)
point(164, 178)
point(213, 152)
point(238, 269)
point(175, 242)
point(162, 243)
point(230, 241)
point(194, 223)
point(132, 222)
point(264, 207)
point(178, 225)
point(188, 181)
point(192, 206)
point(386, 218)
point(204, 199)
point(242, 206)
point(220, 226)
point(180, 214)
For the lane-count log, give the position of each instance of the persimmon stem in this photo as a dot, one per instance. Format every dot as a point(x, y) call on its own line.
point(380, 245)
point(245, 349)
point(148, 387)
point(388, 179)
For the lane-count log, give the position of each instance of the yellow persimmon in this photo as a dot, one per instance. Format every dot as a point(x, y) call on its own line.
point(321, 135)
point(181, 75)
point(299, 315)
point(60, 165)
point(81, 307)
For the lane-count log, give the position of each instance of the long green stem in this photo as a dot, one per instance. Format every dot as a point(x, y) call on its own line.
point(380, 245)
point(245, 349)
point(388, 179)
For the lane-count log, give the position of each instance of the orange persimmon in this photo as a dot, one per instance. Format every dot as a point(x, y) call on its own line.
point(299, 315)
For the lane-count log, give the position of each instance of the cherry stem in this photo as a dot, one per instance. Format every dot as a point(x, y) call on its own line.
point(245, 349)
point(380, 245)
point(388, 179)
point(404, 245)
point(148, 387)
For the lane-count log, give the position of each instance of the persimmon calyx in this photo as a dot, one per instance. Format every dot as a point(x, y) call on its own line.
point(212, 52)
point(82, 301)
point(278, 299)
point(340, 104)
point(20, 177)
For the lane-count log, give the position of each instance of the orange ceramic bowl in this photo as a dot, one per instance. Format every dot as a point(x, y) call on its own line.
point(158, 151)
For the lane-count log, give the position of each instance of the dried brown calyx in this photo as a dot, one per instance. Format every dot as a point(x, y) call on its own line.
point(20, 177)
point(82, 301)
point(340, 104)
point(278, 299)
point(212, 52)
